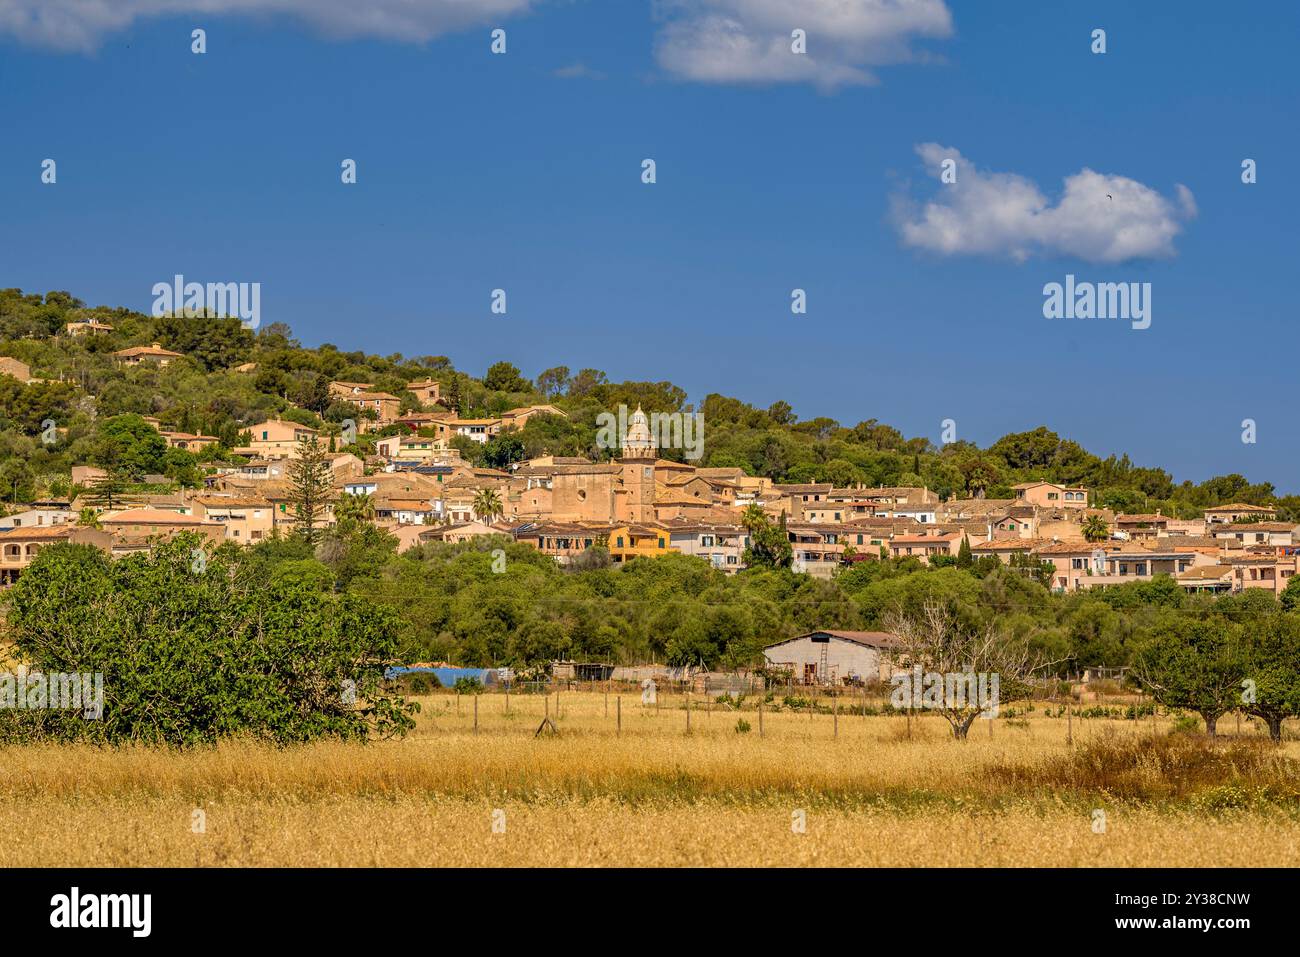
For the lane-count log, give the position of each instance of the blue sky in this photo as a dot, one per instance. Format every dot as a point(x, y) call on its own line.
point(523, 171)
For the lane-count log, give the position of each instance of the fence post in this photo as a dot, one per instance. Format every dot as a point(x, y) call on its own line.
point(837, 717)
point(507, 698)
point(760, 719)
point(1069, 725)
point(476, 714)
point(618, 704)
point(688, 713)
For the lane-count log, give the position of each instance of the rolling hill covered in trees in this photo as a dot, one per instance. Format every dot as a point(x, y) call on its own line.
point(85, 389)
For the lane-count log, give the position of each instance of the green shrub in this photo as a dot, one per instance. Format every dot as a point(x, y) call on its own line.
point(1187, 724)
point(420, 683)
point(192, 651)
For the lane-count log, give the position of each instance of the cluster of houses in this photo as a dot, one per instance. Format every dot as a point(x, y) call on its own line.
point(640, 505)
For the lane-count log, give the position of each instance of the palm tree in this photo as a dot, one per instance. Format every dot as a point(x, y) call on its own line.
point(753, 516)
point(487, 504)
point(355, 508)
point(89, 518)
point(1095, 529)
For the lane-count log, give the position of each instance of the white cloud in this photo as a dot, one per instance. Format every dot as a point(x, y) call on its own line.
point(579, 71)
point(81, 25)
point(1099, 217)
point(749, 41)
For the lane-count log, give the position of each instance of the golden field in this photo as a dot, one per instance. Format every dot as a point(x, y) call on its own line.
point(656, 795)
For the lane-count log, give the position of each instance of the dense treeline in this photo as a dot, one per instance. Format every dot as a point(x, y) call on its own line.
point(448, 603)
point(88, 391)
point(266, 640)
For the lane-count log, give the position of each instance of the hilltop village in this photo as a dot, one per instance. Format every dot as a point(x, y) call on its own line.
point(418, 485)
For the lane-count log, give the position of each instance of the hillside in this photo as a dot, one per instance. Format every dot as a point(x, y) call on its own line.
point(85, 388)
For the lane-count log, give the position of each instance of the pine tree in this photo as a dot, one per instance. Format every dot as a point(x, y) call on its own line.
point(107, 492)
point(309, 488)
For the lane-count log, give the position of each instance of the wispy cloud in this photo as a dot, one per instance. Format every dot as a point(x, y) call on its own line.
point(82, 25)
point(579, 71)
point(749, 41)
point(1098, 218)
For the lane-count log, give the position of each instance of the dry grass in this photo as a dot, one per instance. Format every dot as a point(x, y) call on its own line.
point(435, 831)
point(1172, 768)
point(655, 795)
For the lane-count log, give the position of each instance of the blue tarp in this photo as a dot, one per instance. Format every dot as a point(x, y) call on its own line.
point(447, 677)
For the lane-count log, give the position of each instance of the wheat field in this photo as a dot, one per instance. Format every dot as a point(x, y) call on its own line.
point(814, 789)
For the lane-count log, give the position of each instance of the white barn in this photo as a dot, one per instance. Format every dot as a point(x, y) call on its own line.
point(831, 657)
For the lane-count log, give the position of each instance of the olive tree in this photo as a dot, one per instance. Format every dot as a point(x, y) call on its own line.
point(1197, 665)
point(968, 669)
point(1271, 689)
